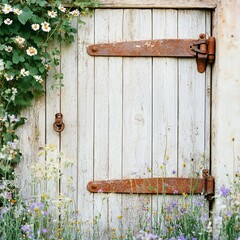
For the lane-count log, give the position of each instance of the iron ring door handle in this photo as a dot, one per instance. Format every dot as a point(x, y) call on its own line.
point(58, 125)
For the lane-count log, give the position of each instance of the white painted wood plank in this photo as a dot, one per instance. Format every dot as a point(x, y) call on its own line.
point(32, 138)
point(159, 3)
point(165, 107)
point(108, 113)
point(208, 86)
point(69, 101)
point(137, 110)
point(115, 22)
point(165, 98)
point(191, 98)
point(85, 118)
point(52, 107)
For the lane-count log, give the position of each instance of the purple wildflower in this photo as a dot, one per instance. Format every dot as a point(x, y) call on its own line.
point(168, 209)
point(181, 237)
point(44, 213)
point(9, 195)
point(36, 206)
point(44, 230)
point(25, 228)
point(194, 238)
point(175, 191)
point(224, 191)
point(174, 204)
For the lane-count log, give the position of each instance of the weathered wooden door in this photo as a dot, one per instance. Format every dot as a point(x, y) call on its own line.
point(127, 117)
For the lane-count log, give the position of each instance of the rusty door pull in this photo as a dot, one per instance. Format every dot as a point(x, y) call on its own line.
point(156, 185)
point(203, 49)
point(58, 125)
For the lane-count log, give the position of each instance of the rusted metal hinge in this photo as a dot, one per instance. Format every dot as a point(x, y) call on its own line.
point(204, 185)
point(203, 49)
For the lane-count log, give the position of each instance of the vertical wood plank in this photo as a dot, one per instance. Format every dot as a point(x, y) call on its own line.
point(115, 26)
point(208, 86)
point(165, 97)
point(85, 121)
point(165, 105)
point(53, 99)
point(137, 110)
point(108, 115)
point(32, 138)
point(191, 98)
point(69, 101)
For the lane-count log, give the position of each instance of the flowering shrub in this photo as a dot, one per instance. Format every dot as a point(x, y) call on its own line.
point(26, 29)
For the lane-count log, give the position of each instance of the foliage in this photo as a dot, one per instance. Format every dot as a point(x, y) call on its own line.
point(27, 27)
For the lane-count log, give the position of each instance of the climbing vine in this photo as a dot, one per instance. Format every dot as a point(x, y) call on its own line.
point(27, 27)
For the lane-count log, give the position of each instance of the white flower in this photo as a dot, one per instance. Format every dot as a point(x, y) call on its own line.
point(38, 78)
point(8, 77)
point(35, 26)
point(45, 27)
point(1, 64)
point(8, 48)
point(75, 13)
point(7, 9)
point(8, 21)
point(14, 91)
point(62, 8)
point(52, 14)
point(31, 51)
point(17, 11)
point(24, 73)
point(19, 40)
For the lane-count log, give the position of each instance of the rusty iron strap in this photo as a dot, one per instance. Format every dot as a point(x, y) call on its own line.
point(147, 48)
point(154, 186)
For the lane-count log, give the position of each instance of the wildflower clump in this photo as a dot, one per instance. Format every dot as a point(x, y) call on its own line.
point(227, 220)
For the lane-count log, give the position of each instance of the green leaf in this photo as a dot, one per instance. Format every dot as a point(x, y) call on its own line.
point(1, 20)
point(25, 16)
point(21, 59)
point(42, 3)
point(15, 57)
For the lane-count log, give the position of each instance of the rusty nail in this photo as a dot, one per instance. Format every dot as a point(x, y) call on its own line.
point(94, 49)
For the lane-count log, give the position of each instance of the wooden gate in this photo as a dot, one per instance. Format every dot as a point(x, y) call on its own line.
point(126, 117)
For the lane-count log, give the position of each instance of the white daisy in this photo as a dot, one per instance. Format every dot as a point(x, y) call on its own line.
point(24, 73)
point(31, 51)
point(8, 21)
point(17, 11)
point(75, 13)
point(19, 40)
point(62, 8)
point(8, 77)
point(1, 64)
point(38, 78)
point(8, 48)
point(52, 14)
point(45, 27)
point(35, 26)
point(7, 9)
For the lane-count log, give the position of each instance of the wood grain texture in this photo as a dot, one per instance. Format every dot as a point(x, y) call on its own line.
point(137, 110)
point(191, 99)
point(165, 98)
point(159, 3)
point(69, 102)
point(85, 123)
